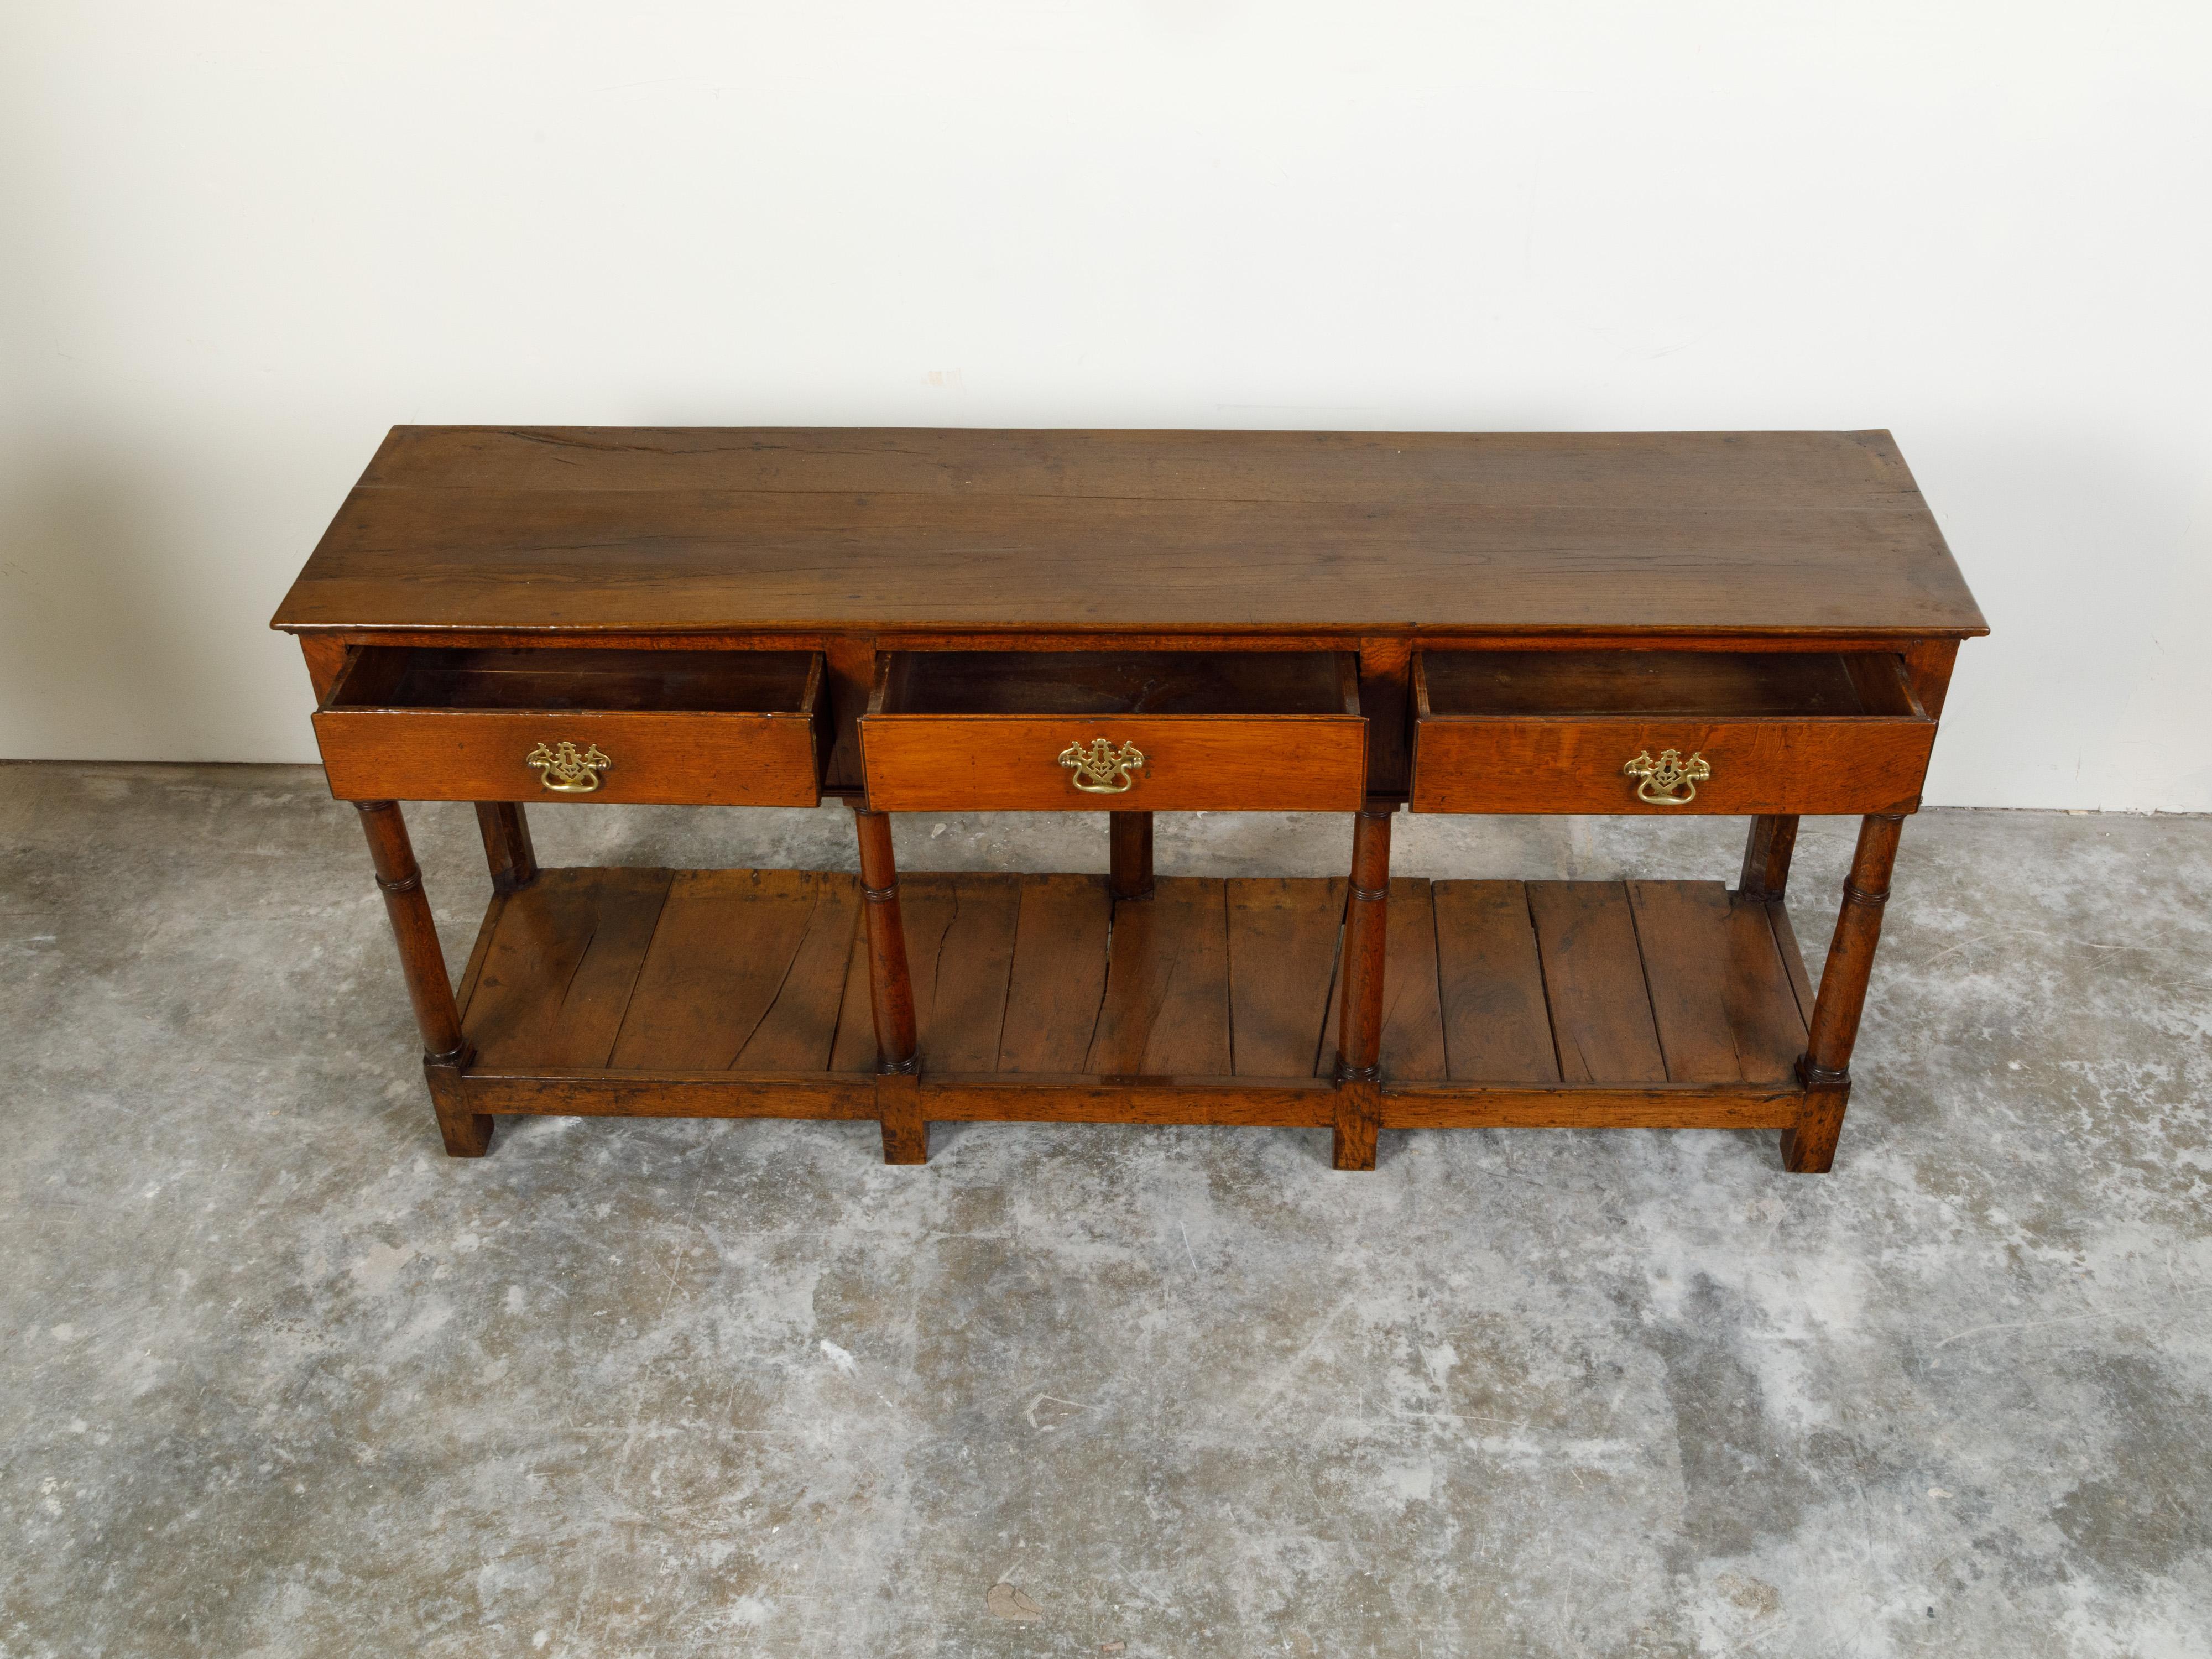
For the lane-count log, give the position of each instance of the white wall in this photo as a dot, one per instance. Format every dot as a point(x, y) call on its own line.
point(238, 240)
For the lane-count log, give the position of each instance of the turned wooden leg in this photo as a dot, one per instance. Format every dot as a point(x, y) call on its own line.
point(1810, 1147)
point(445, 1050)
point(1129, 835)
point(891, 996)
point(506, 844)
point(1359, 1031)
point(1767, 858)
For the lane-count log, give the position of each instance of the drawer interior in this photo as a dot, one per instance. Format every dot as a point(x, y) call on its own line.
point(1104, 683)
point(1715, 684)
point(580, 678)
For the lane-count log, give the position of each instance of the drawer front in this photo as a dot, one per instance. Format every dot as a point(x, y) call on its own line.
point(679, 759)
point(1494, 765)
point(1079, 763)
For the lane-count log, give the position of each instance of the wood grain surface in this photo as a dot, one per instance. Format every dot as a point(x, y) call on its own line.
point(726, 760)
point(1489, 984)
point(1192, 762)
point(925, 620)
point(1758, 767)
point(1353, 533)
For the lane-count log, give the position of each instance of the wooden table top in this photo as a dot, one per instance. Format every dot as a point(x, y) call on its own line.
point(705, 530)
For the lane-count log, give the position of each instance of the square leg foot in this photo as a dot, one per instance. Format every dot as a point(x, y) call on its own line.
point(467, 1133)
point(1359, 1118)
point(898, 1108)
point(1809, 1146)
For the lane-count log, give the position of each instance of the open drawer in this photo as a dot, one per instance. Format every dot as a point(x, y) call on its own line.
point(734, 728)
point(1129, 731)
point(1777, 731)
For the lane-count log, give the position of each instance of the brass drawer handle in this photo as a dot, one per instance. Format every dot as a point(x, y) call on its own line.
point(1670, 781)
point(566, 772)
point(1101, 769)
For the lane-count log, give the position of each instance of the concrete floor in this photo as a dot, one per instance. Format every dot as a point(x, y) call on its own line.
point(279, 1378)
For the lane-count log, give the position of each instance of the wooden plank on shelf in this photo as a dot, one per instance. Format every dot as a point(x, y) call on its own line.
point(1761, 1005)
point(1413, 1003)
point(1166, 1003)
point(724, 943)
point(556, 977)
point(1282, 958)
point(1496, 1025)
point(1793, 957)
point(465, 992)
point(1059, 974)
point(853, 1048)
point(797, 1032)
point(1721, 999)
point(1681, 929)
point(960, 953)
point(1593, 983)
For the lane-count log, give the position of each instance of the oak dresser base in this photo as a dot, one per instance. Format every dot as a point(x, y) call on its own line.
point(1758, 625)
